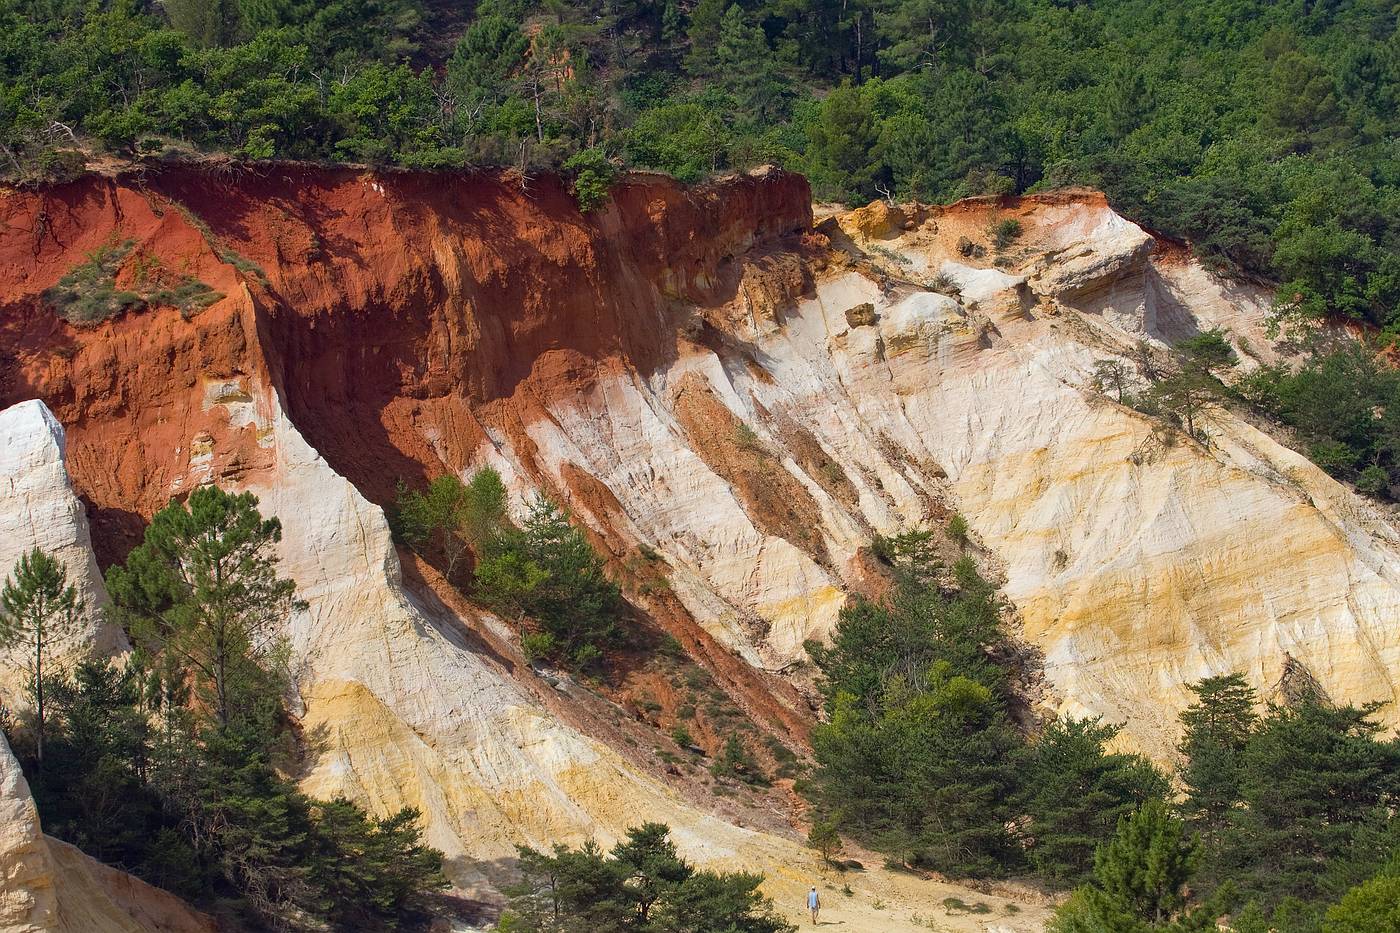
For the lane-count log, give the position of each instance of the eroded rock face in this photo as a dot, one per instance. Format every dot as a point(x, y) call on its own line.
point(382, 328)
point(1135, 566)
point(38, 508)
point(702, 376)
point(27, 900)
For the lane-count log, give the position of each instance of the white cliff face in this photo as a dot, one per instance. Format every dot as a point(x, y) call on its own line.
point(408, 713)
point(405, 707)
point(41, 510)
point(1136, 567)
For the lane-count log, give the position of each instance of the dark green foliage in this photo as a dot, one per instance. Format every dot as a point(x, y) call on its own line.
point(1312, 780)
point(920, 757)
point(1139, 880)
point(917, 752)
point(92, 792)
point(1216, 729)
point(642, 885)
point(202, 591)
point(1076, 793)
point(367, 871)
point(1186, 395)
point(546, 571)
point(38, 607)
point(549, 572)
point(825, 837)
point(453, 517)
point(1344, 405)
point(1295, 806)
point(173, 768)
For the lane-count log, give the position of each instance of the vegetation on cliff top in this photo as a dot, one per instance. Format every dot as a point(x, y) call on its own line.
point(1263, 131)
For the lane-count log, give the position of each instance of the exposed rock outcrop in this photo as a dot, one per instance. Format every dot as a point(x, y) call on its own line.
point(40, 510)
point(385, 327)
point(27, 900)
point(1136, 566)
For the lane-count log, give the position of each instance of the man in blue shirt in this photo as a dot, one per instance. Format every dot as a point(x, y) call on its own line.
point(814, 904)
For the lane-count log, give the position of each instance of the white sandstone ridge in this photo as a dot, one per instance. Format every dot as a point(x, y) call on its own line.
point(926, 370)
point(41, 510)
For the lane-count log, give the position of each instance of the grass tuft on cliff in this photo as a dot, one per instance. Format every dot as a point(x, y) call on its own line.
point(88, 294)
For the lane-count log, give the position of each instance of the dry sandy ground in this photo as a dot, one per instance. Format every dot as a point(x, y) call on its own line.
point(889, 901)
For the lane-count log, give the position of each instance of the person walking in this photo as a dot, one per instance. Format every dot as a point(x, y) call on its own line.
point(814, 903)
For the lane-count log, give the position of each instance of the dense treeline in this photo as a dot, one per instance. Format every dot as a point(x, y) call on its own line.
point(922, 758)
point(177, 765)
point(1283, 814)
point(641, 886)
point(1263, 131)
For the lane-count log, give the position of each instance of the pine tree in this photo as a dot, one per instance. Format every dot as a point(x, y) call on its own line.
point(202, 587)
point(1313, 780)
point(653, 869)
point(1218, 726)
point(1140, 878)
point(1077, 792)
point(38, 606)
point(1147, 863)
point(641, 885)
point(825, 837)
point(746, 67)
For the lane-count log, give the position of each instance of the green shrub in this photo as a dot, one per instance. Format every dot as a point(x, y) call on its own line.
point(735, 761)
point(1004, 232)
point(88, 293)
point(593, 175)
point(957, 529)
point(189, 296)
point(538, 646)
point(956, 905)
